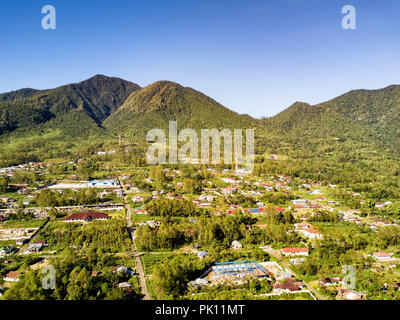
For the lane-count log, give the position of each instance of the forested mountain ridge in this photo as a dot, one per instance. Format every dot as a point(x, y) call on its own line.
point(163, 101)
point(95, 98)
point(365, 115)
point(353, 127)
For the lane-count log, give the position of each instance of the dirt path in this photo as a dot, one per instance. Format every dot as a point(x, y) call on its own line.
point(138, 262)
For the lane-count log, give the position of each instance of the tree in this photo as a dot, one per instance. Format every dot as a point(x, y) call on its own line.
point(3, 185)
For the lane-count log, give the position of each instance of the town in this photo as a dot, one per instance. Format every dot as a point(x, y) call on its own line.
point(120, 230)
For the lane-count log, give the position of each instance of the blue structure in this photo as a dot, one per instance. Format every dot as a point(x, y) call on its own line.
point(103, 183)
point(234, 268)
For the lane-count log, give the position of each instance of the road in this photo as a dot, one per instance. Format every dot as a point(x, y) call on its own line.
point(287, 268)
point(138, 262)
point(31, 240)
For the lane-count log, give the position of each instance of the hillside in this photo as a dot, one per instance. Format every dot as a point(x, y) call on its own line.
point(378, 110)
point(365, 116)
point(354, 132)
point(157, 104)
point(94, 99)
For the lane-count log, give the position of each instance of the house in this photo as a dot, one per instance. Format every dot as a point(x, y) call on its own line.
point(311, 233)
point(297, 261)
point(301, 225)
point(294, 252)
point(124, 285)
point(199, 282)
point(189, 232)
point(351, 294)
point(229, 180)
point(333, 281)
point(287, 285)
point(299, 202)
point(209, 198)
point(236, 245)
point(229, 190)
point(299, 206)
point(379, 205)
point(6, 249)
point(137, 199)
point(123, 269)
point(383, 256)
point(152, 223)
point(86, 216)
point(36, 247)
point(316, 191)
point(140, 210)
point(4, 199)
point(396, 285)
point(12, 276)
point(20, 241)
point(202, 254)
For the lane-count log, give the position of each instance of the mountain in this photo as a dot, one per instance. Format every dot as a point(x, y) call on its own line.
point(357, 124)
point(365, 116)
point(18, 94)
point(163, 101)
point(378, 110)
point(351, 140)
point(88, 102)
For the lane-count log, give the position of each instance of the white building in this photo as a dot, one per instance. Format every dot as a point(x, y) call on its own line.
point(236, 245)
point(311, 233)
point(299, 202)
point(294, 252)
point(383, 256)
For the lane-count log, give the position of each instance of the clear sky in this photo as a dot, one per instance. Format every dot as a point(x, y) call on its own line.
point(253, 56)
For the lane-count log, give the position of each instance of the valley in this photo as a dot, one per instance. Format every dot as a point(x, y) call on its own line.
point(316, 218)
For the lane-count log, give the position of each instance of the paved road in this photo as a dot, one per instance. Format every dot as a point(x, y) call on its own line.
point(287, 268)
point(139, 267)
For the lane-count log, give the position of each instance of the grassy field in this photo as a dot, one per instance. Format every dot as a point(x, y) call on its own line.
point(117, 214)
point(151, 260)
point(22, 224)
point(143, 217)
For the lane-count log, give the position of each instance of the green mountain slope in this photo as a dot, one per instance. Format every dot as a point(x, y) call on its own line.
point(365, 116)
point(95, 98)
point(378, 110)
point(157, 104)
point(18, 94)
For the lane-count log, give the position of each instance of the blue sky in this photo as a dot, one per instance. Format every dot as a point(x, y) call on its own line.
point(254, 56)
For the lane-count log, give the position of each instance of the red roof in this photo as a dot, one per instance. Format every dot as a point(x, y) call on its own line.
point(294, 250)
point(312, 230)
point(280, 209)
point(12, 274)
point(87, 216)
point(287, 284)
point(382, 254)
